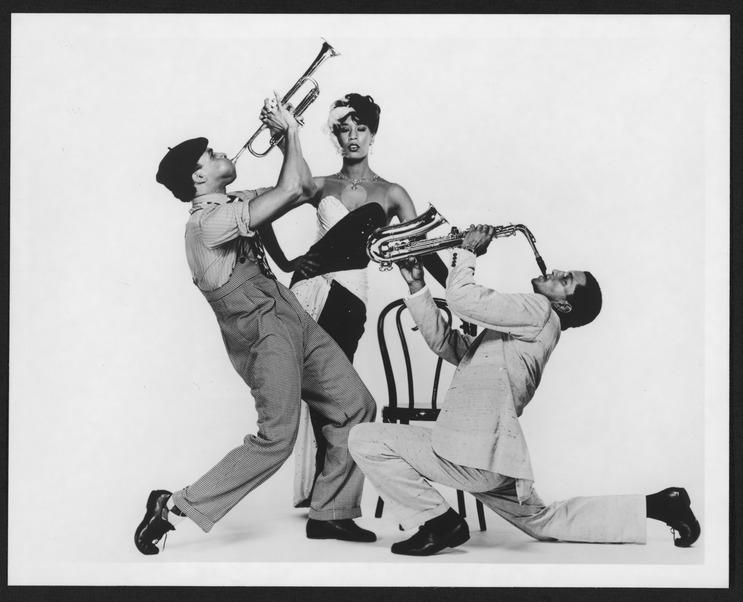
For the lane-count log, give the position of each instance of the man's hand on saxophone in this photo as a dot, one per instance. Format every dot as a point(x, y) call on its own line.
point(412, 272)
point(477, 239)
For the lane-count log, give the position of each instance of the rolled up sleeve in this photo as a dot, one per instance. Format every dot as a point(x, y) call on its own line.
point(223, 223)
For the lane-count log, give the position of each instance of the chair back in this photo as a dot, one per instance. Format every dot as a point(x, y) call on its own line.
point(389, 373)
point(394, 413)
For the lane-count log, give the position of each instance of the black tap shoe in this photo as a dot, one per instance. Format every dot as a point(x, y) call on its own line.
point(679, 516)
point(345, 530)
point(428, 540)
point(154, 524)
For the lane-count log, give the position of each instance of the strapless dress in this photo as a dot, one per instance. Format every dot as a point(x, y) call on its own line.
point(342, 289)
point(341, 250)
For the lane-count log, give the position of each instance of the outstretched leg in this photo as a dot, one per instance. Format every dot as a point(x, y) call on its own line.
point(605, 519)
point(274, 375)
point(264, 342)
point(599, 519)
point(262, 333)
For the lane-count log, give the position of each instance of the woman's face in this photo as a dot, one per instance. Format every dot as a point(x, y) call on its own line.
point(354, 138)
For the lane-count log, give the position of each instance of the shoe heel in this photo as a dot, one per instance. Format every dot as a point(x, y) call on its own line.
point(152, 498)
point(459, 537)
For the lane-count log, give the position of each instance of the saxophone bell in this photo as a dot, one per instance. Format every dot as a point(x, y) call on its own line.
point(391, 244)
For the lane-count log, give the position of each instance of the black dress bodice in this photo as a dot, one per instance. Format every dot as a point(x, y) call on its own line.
point(344, 245)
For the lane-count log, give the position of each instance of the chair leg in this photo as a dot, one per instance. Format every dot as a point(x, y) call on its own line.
point(481, 515)
point(380, 507)
point(380, 502)
point(460, 503)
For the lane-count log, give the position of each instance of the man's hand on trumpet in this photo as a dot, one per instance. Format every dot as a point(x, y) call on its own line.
point(277, 117)
point(477, 238)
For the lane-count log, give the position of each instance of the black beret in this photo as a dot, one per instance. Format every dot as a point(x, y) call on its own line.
point(177, 167)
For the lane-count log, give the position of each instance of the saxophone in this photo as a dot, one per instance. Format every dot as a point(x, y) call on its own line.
point(390, 244)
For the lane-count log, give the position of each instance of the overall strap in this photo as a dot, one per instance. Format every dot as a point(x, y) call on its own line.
point(256, 244)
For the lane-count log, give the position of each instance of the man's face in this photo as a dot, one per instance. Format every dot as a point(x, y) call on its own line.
point(216, 168)
point(557, 284)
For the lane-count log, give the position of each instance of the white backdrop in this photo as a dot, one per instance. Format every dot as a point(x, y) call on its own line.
point(607, 136)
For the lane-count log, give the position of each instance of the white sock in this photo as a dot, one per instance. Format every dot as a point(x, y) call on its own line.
point(173, 518)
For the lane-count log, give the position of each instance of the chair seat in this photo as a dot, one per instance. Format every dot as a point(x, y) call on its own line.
point(405, 414)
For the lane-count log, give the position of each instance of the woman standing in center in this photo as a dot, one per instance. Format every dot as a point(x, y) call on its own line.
point(330, 280)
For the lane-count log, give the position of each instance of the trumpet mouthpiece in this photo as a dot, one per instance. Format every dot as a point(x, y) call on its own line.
point(237, 156)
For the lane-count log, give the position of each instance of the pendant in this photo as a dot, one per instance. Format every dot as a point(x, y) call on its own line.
point(353, 196)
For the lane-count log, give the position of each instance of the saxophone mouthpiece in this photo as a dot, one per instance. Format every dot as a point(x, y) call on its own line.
point(542, 266)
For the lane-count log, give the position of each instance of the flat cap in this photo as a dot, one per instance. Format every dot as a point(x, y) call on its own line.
point(177, 166)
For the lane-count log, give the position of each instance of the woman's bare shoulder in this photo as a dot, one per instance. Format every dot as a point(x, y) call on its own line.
point(396, 192)
point(329, 180)
point(320, 181)
point(320, 186)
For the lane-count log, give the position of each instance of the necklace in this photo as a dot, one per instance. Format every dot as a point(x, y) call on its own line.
point(356, 181)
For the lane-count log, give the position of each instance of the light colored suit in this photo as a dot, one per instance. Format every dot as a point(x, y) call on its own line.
point(497, 371)
point(477, 443)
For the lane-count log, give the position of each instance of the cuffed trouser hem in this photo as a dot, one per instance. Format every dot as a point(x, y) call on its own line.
point(417, 519)
point(636, 530)
point(203, 521)
point(335, 514)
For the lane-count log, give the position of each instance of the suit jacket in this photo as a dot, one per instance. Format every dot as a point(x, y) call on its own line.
point(497, 371)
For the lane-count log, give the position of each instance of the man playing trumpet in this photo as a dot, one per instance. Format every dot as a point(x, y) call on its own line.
point(477, 444)
point(276, 347)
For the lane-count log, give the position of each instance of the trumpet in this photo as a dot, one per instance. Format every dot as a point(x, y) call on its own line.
point(326, 52)
point(394, 243)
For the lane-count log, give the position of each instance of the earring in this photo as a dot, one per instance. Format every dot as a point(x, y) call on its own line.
point(562, 306)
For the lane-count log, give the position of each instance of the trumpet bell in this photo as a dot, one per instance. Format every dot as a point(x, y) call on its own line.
point(308, 99)
point(326, 51)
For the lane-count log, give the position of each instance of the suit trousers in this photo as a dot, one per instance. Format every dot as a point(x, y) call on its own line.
point(400, 462)
point(283, 356)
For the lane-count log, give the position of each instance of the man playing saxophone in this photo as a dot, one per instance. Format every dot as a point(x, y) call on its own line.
point(477, 444)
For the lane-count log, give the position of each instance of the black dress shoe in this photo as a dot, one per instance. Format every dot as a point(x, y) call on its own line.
point(679, 517)
point(429, 540)
point(345, 530)
point(154, 524)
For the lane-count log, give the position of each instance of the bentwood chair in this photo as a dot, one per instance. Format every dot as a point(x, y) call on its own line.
point(403, 414)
